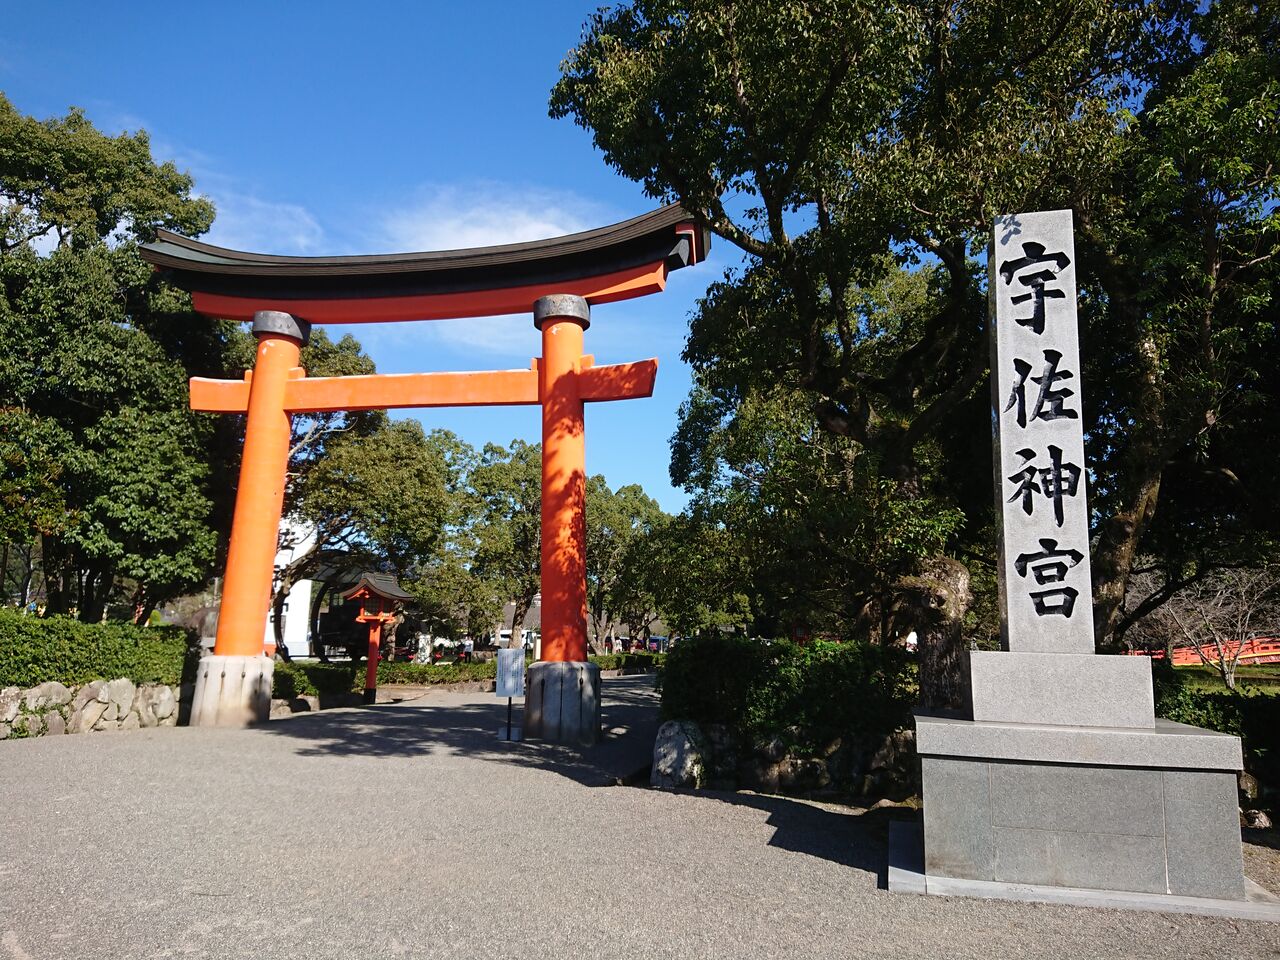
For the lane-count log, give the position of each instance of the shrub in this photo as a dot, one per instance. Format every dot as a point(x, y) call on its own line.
point(761, 688)
point(1253, 716)
point(627, 661)
point(314, 679)
point(36, 649)
point(398, 672)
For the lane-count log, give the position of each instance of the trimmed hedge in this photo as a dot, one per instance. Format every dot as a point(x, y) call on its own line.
point(761, 688)
point(628, 661)
point(299, 679)
point(1253, 715)
point(37, 649)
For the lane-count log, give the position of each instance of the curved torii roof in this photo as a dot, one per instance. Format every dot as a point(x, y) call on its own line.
point(618, 262)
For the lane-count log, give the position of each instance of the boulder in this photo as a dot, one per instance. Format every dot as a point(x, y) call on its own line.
point(94, 691)
point(1248, 785)
point(802, 774)
point(721, 759)
point(120, 694)
point(771, 750)
point(131, 722)
point(760, 775)
point(48, 694)
point(112, 713)
point(163, 702)
point(10, 700)
point(84, 719)
point(142, 709)
point(32, 724)
point(679, 756)
point(4, 731)
point(54, 724)
point(1256, 820)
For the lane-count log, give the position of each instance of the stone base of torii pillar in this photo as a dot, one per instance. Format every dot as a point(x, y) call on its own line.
point(562, 703)
point(232, 691)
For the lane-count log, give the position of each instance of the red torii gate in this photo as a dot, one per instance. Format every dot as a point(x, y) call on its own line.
point(557, 279)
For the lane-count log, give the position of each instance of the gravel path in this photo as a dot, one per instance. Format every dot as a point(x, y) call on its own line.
point(409, 830)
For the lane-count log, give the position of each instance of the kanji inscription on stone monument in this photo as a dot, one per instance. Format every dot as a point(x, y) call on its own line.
point(1040, 470)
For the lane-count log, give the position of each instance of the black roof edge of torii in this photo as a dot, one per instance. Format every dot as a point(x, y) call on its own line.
point(668, 234)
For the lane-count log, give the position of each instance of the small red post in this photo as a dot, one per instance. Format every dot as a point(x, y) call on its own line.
point(371, 668)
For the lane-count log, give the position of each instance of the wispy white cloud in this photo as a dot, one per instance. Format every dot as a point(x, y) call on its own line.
point(479, 214)
point(246, 222)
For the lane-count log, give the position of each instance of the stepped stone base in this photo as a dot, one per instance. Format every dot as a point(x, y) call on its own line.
point(562, 703)
point(232, 691)
point(1142, 810)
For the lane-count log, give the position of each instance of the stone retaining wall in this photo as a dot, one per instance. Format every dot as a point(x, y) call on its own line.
point(52, 708)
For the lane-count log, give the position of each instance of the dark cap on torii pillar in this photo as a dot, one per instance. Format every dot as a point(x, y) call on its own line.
point(561, 306)
point(282, 324)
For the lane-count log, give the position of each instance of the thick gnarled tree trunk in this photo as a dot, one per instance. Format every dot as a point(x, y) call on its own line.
point(934, 602)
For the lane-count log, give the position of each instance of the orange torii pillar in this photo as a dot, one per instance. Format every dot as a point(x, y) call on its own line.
point(233, 685)
point(562, 702)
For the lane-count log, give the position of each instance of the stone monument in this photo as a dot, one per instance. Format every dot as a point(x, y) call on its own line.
point(1062, 785)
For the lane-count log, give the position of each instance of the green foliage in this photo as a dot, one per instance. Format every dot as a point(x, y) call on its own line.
point(859, 168)
point(761, 688)
point(618, 524)
point(506, 496)
point(385, 491)
point(34, 650)
point(100, 456)
point(629, 661)
point(1252, 714)
point(318, 679)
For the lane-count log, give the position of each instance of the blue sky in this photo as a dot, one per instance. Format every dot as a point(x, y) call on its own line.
point(330, 128)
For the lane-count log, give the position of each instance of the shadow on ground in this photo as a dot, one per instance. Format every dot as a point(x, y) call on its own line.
point(849, 838)
point(630, 722)
point(422, 728)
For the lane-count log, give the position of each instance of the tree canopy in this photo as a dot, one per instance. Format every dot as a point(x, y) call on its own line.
point(857, 154)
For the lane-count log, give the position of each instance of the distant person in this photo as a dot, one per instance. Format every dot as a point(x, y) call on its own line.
point(468, 650)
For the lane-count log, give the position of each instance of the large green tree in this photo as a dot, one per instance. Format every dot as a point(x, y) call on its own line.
point(836, 143)
point(616, 519)
point(506, 486)
point(102, 461)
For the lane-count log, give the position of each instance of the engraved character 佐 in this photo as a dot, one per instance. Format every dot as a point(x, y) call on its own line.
point(1054, 482)
point(1034, 255)
point(1049, 402)
point(1050, 565)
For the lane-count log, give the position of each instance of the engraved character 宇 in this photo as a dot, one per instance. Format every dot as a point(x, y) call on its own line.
point(1033, 256)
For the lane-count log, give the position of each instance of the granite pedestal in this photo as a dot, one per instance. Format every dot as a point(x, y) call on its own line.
point(1097, 796)
point(562, 702)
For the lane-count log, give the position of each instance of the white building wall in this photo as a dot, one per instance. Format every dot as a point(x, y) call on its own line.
point(296, 538)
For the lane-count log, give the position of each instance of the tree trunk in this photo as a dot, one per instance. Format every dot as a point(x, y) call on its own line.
point(935, 601)
point(517, 624)
point(56, 571)
point(313, 620)
point(1115, 553)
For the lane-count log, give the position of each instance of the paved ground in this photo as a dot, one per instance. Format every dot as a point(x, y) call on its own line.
point(408, 830)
